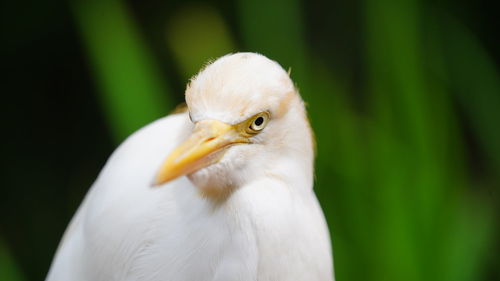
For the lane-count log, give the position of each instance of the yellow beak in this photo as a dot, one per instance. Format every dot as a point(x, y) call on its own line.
point(203, 148)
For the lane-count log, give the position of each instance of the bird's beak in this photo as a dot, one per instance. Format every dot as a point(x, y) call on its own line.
point(200, 150)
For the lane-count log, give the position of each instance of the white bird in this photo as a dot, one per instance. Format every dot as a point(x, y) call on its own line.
point(232, 195)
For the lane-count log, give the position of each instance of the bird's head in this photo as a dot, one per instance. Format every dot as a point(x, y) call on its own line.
point(249, 122)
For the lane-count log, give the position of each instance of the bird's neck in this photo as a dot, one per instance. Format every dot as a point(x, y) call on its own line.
point(293, 163)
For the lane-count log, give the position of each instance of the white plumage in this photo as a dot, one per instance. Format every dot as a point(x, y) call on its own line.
point(234, 197)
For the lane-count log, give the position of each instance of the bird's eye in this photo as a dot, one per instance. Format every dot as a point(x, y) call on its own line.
point(258, 122)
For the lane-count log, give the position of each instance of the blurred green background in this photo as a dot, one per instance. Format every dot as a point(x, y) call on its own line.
point(404, 97)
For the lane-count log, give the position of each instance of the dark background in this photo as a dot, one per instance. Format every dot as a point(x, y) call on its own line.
point(404, 97)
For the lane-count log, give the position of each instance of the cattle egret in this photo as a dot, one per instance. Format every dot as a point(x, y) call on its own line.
point(221, 191)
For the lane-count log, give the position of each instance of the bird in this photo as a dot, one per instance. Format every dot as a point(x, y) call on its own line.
point(222, 190)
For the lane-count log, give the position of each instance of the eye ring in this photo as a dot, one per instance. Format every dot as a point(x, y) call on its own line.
point(258, 122)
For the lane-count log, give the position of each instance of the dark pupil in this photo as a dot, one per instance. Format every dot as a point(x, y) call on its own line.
point(259, 121)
